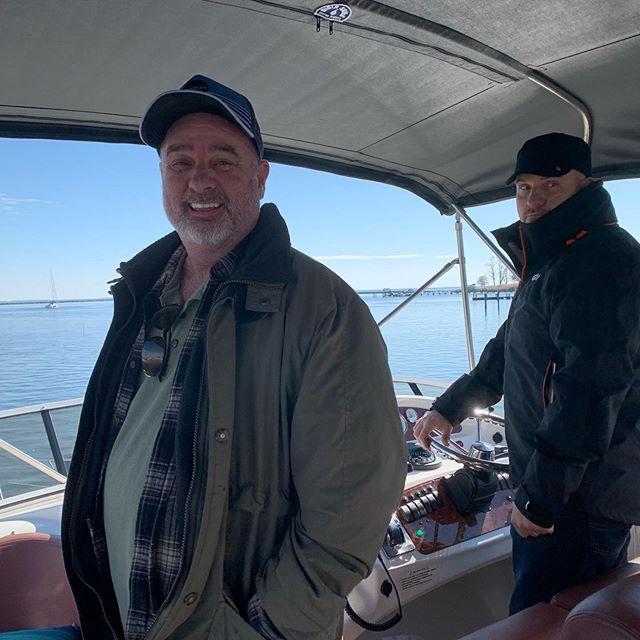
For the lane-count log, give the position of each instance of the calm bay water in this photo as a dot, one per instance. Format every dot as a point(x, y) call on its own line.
point(47, 356)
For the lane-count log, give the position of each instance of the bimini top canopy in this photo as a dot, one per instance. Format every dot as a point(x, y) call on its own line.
point(432, 95)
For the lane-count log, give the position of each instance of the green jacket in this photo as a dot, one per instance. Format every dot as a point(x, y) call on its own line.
point(306, 459)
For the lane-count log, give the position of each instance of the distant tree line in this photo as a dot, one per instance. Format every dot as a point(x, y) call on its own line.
point(496, 274)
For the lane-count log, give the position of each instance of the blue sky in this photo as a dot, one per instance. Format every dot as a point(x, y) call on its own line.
point(78, 209)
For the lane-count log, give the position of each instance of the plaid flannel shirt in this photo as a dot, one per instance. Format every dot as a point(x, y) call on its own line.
point(161, 525)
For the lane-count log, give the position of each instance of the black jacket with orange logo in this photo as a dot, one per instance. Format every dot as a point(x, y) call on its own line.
point(567, 361)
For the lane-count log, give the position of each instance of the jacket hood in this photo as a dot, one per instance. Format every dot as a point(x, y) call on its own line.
point(550, 235)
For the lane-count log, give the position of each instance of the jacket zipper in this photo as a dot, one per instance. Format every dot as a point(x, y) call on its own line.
point(187, 502)
point(194, 459)
point(83, 468)
point(195, 440)
point(104, 613)
point(91, 535)
point(194, 454)
point(524, 257)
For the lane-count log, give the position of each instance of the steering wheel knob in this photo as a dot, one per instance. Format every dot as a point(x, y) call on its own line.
point(482, 450)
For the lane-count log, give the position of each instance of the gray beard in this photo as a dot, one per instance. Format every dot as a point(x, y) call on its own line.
point(208, 233)
point(190, 230)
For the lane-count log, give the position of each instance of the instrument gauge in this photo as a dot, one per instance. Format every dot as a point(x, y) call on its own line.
point(403, 423)
point(412, 414)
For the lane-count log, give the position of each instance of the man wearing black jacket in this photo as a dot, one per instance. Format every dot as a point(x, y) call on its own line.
point(567, 361)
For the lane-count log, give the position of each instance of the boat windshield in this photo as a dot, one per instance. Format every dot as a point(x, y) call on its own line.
point(102, 201)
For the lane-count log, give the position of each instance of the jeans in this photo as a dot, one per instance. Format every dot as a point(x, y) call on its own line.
point(580, 548)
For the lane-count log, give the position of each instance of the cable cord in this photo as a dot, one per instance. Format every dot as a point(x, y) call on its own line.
point(381, 626)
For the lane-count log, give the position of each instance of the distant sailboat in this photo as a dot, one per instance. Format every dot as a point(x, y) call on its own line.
point(54, 296)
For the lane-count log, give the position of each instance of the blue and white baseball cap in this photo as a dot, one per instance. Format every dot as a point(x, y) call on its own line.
point(199, 94)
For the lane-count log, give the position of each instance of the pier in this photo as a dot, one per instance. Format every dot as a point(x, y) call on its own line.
point(405, 293)
point(476, 292)
point(492, 295)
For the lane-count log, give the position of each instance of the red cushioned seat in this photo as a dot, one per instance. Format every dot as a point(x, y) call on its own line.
point(613, 613)
point(604, 608)
point(34, 592)
point(568, 598)
point(542, 621)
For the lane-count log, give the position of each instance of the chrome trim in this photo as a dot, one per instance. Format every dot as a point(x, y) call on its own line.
point(39, 408)
point(429, 382)
point(36, 464)
point(560, 92)
point(33, 499)
point(45, 411)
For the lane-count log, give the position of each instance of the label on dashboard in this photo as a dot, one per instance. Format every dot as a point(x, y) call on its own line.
point(417, 577)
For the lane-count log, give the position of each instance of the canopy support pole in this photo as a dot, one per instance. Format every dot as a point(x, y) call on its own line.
point(418, 291)
point(465, 291)
point(483, 236)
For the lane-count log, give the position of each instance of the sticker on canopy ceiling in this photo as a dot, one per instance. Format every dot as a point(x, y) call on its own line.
point(337, 12)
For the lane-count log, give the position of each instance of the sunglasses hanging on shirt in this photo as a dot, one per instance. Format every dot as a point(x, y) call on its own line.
point(155, 350)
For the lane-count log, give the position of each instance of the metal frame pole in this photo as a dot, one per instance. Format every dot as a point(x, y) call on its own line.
point(58, 458)
point(465, 291)
point(418, 291)
point(557, 90)
point(36, 464)
point(481, 234)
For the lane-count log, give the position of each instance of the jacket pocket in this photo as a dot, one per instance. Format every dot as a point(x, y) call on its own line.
point(547, 389)
point(607, 538)
point(229, 624)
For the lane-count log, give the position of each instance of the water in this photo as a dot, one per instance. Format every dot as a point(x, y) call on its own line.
point(427, 337)
point(47, 355)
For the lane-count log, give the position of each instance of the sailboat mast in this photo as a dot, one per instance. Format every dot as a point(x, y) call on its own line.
point(54, 296)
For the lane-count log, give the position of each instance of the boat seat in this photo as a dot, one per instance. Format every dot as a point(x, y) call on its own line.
point(570, 597)
point(612, 613)
point(34, 592)
point(542, 621)
point(604, 608)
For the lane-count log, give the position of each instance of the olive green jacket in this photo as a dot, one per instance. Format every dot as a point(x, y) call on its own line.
point(306, 459)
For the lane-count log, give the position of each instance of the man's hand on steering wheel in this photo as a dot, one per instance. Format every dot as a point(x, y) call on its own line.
point(424, 426)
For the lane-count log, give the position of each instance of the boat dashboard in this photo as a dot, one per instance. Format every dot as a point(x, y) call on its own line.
point(452, 523)
point(452, 520)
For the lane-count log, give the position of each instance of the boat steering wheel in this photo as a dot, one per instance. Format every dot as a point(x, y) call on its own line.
point(481, 455)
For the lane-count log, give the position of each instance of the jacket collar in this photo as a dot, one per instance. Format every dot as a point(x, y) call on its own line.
point(265, 256)
point(548, 237)
point(266, 251)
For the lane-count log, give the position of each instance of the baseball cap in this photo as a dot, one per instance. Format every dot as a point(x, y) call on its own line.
point(553, 154)
point(199, 94)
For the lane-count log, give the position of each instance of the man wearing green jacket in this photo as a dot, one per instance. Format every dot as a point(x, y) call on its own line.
point(239, 452)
